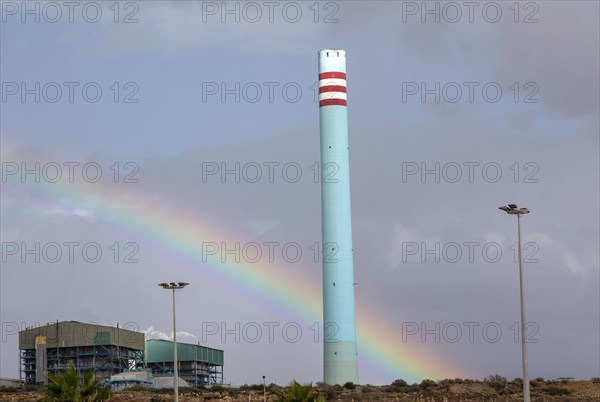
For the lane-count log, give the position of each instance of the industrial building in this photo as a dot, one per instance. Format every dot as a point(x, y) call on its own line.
point(113, 352)
point(197, 364)
point(50, 348)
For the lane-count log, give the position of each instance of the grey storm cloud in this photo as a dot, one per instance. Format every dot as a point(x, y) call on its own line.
point(427, 180)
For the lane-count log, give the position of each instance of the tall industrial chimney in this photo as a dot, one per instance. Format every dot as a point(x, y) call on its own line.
point(339, 327)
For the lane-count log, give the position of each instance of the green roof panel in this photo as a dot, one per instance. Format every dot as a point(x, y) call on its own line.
point(159, 350)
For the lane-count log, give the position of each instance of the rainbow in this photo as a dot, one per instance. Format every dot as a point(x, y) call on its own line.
point(178, 237)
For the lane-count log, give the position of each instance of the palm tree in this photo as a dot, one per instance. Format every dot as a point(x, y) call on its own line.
point(298, 393)
point(66, 387)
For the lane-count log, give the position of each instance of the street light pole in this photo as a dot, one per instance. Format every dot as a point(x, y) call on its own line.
point(175, 365)
point(264, 390)
point(512, 209)
point(174, 286)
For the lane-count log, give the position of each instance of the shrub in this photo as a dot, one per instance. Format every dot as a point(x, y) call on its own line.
point(411, 388)
point(495, 378)
point(298, 393)
point(399, 383)
point(535, 383)
point(427, 384)
point(349, 385)
point(367, 388)
point(496, 382)
point(554, 390)
point(329, 393)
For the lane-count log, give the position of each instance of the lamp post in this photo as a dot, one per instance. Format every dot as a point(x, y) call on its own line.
point(512, 209)
point(174, 286)
point(264, 390)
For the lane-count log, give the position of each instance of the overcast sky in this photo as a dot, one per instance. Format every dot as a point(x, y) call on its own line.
point(155, 141)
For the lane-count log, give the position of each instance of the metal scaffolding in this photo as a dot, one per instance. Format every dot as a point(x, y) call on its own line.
point(194, 372)
point(198, 365)
point(53, 347)
point(107, 360)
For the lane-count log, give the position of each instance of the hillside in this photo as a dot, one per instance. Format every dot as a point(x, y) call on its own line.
point(493, 389)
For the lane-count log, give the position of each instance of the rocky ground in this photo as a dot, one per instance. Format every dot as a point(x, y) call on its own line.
point(443, 391)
